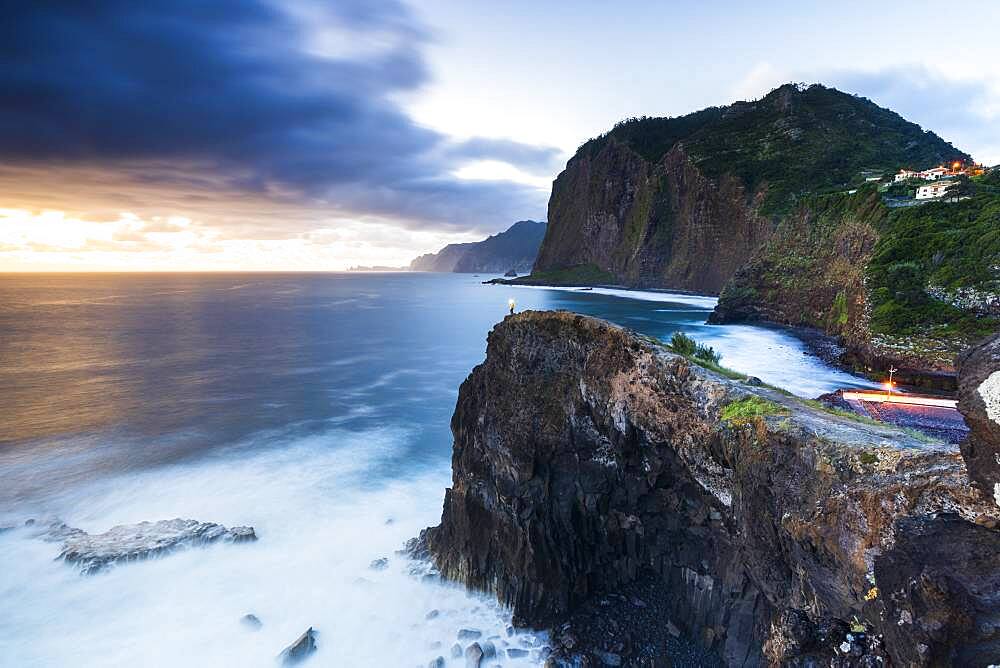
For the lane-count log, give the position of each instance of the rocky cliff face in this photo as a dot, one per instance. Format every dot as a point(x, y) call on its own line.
point(650, 224)
point(979, 401)
point(683, 202)
point(587, 459)
point(850, 266)
point(513, 249)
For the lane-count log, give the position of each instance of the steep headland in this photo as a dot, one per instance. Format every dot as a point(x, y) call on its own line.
point(589, 460)
point(683, 202)
point(513, 249)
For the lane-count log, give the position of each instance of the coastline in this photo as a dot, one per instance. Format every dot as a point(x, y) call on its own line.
point(825, 347)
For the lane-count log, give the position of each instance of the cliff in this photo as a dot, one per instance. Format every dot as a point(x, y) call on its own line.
point(909, 288)
point(683, 202)
point(662, 224)
point(513, 249)
point(979, 401)
point(588, 460)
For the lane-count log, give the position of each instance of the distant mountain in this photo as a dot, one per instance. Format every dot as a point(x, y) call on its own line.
point(683, 202)
point(377, 268)
point(515, 249)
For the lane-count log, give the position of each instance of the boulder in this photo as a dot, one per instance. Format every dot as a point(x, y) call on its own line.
point(251, 621)
point(93, 553)
point(303, 646)
point(473, 655)
point(979, 402)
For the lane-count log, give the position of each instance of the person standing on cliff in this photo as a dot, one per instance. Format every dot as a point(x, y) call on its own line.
point(511, 305)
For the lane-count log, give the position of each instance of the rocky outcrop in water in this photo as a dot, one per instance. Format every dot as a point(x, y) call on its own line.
point(589, 461)
point(93, 553)
point(979, 401)
point(299, 650)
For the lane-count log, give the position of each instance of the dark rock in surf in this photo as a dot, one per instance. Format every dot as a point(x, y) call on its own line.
point(93, 553)
point(473, 655)
point(299, 650)
point(251, 621)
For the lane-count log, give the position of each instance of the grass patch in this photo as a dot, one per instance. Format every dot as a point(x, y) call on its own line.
point(749, 409)
point(584, 274)
point(868, 458)
point(840, 412)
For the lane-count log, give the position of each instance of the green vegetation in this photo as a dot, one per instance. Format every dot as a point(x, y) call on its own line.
point(905, 189)
point(838, 312)
point(840, 412)
point(749, 409)
point(584, 274)
point(794, 141)
point(868, 458)
point(708, 359)
point(947, 245)
point(682, 344)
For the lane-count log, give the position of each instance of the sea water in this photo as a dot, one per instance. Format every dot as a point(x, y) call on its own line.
point(313, 407)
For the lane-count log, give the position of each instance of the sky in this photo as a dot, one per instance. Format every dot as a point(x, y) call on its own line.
point(302, 135)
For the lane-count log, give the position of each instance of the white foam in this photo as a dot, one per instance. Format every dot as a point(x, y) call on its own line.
point(776, 357)
point(700, 301)
point(321, 515)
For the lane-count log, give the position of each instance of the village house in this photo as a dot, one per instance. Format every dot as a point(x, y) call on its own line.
point(934, 173)
point(905, 175)
point(934, 190)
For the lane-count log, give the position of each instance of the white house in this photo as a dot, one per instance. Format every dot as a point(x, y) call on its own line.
point(905, 174)
point(933, 190)
point(934, 173)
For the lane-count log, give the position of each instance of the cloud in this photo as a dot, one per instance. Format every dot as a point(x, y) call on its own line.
point(293, 104)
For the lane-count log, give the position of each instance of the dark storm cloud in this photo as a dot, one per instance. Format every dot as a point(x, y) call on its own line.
point(233, 94)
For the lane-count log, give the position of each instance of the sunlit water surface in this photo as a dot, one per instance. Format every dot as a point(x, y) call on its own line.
point(312, 407)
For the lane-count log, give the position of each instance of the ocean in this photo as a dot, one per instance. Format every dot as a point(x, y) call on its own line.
point(313, 407)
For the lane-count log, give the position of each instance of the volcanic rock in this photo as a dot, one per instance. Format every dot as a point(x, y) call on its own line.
point(93, 553)
point(251, 621)
point(588, 460)
point(979, 402)
point(303, 646)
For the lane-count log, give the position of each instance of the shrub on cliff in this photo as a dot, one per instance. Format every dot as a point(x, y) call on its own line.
point(682, 344)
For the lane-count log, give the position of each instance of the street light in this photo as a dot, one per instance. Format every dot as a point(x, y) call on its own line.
point(888, 385)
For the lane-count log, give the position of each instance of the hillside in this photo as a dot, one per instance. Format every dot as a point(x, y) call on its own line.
point(908, 287)
point(683, 202)
point(514, 249)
